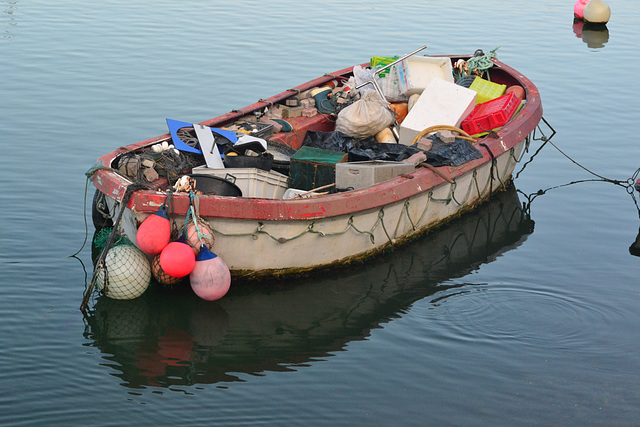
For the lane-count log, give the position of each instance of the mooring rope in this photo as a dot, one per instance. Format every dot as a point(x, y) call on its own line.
point(131, 188)
point(86, 226)
point(92, 171)
point(614, 181)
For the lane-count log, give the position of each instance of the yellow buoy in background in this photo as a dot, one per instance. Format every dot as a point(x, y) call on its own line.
point(597, 12)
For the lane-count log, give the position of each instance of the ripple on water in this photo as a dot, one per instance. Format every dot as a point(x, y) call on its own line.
point(541, 318)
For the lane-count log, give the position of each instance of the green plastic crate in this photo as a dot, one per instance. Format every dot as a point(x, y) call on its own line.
point(312, 168)
point(487, 90)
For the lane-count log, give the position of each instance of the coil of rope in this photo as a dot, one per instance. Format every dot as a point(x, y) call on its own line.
point(482, 61)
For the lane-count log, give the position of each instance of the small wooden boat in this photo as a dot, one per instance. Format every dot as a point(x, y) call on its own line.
point(259, 236)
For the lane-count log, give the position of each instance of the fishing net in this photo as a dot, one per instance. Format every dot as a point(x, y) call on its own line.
point(161, 276)
point(126, 273)
point(145, 168)
point(101, 237)
point(196, 230)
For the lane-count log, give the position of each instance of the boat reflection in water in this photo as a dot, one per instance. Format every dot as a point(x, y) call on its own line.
point(168, 338)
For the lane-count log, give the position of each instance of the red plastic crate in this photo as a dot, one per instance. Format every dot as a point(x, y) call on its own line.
point(491, 114)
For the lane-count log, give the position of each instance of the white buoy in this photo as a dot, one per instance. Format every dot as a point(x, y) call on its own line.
point(128, 273)
point(597, 12)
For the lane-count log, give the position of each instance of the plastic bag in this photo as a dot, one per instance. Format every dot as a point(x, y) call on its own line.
point(365, 117)
point(392, 87)
point(389, 84)
point(382, 151)
point(362, 75)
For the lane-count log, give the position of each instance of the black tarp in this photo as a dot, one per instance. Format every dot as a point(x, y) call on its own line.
point(454, 154)
point(358, 149)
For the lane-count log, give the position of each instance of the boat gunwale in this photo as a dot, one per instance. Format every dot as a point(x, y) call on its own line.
point(403, 187)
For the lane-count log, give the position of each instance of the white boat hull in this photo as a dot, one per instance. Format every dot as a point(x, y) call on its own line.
point(273, 247)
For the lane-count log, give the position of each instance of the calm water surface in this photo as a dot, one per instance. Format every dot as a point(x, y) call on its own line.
point(506, 317)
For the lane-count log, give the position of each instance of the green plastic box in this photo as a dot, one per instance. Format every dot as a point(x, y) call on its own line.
point(487, 90)
point(312, 168)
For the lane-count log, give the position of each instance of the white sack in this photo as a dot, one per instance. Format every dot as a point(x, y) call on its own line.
point(365, 117)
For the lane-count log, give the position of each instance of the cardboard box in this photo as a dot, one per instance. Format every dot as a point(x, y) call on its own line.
point(357, 175)
point(441, 103)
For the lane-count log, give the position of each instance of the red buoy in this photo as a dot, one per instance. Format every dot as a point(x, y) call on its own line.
point(210, 278)
point(154, 233)
point(177, 259)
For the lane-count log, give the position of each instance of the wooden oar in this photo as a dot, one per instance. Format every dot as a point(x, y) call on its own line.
point(314, 190)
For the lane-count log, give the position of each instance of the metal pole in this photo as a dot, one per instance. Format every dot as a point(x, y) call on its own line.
point(373, 82)
point(402, 58)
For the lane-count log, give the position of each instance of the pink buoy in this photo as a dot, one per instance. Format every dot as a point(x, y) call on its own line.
point(210, 278)
point(578, 8)
point(154, 233)
point(177, 259)
point(196, 236)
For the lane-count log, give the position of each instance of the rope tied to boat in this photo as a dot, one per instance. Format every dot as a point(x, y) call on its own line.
point(493, 165)
point(95, 168)
point(89, 174)
point(100, 263)
point(482, 61)
point(201, 233)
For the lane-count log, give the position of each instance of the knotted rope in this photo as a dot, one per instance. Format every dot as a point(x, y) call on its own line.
point(483, 61)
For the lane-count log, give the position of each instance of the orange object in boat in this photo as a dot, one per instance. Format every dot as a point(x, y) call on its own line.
point(400, 109)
